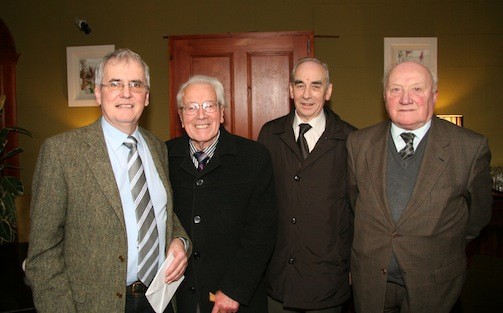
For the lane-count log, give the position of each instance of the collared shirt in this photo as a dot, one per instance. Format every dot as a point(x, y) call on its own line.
point(118, 154)
point(419, 133)
point(314, 134)
point(210, 150)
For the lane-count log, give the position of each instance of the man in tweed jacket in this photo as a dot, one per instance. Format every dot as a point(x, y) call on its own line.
point(83, 255)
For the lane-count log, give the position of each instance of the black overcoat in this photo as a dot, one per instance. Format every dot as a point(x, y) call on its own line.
point(229, 211)
point(309, 266)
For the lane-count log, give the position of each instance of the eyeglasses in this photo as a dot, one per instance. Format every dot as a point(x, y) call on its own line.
point(118, 86)
point(193, 107)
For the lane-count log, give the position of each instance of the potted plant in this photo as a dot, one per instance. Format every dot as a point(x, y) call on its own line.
point(10, 186)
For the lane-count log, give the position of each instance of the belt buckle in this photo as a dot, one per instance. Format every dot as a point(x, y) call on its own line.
point(137, 288)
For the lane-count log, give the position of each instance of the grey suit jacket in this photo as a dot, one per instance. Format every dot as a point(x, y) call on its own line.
point(77, 258)
point(450, 202)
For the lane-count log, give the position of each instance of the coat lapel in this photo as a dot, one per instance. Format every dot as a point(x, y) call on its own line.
point(376, 162)
point(98, 161)
point(434, 161)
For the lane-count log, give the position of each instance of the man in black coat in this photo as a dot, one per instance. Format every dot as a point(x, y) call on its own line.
point(309, 267)
point(224, 196)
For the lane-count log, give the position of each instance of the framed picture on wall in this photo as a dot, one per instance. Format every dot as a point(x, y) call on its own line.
point(420, 49)
point(80, 65)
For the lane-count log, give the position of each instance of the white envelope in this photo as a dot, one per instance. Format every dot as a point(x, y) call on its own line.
point(159, 293)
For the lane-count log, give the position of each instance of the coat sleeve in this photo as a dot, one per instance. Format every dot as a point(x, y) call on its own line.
point(479, 191)
point(45, 268)
point(249, 263)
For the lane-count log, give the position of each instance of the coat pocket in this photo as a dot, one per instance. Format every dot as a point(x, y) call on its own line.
point(450, 271)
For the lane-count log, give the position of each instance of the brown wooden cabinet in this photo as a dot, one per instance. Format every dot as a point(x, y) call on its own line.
point(8, 61)
point(253, 67)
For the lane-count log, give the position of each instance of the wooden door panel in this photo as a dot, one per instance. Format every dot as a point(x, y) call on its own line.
point(253, 67)
point(268, 82)
point(221, 68)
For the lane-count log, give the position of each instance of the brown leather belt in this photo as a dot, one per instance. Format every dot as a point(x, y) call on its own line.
point(136, 289)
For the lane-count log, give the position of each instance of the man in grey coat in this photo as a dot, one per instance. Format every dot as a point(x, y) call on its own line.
point(87, 241)
point(309, 267)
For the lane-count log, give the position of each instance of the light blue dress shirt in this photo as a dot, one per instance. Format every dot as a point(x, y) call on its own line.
point(118, 154)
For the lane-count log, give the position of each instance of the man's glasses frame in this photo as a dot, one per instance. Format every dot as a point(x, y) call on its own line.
point(192, 108)
point(118, 86)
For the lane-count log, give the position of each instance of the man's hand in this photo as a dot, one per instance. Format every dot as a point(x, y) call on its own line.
point(177, 268)
point(224, 304)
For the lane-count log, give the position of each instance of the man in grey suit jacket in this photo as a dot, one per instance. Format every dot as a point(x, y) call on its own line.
point(416, 199)
point(84, 243)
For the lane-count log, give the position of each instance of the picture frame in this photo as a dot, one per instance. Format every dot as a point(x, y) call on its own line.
point(80, 64)
point(420, 49)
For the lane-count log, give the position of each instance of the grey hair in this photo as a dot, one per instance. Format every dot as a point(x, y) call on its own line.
point(202, 79)
point(433, 75)
point(120, 55)
point(303, 60)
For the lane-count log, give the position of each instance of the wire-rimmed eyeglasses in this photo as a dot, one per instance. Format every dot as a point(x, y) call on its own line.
point(118, 86)
point(192, 108)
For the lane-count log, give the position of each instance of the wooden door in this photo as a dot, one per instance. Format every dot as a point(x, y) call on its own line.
point(8, 61)
point(253, 67)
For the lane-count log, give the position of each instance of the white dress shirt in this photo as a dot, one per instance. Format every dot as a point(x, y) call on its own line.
point(314, 134)
point(418, 133)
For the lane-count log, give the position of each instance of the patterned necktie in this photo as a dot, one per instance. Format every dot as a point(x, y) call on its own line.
point(148, 239)
point(202, 159)
point(301, 141)
point(408, 150)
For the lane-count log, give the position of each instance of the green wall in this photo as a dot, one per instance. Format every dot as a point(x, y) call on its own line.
point(470, 54)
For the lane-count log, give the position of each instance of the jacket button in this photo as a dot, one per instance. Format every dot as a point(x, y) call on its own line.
point(384, 271)
point(119, 295)
point(197, 255)
point(291, 260)
point(293, 220)
point(200, 182)
point(192, 289)
point(296, 178)
point(197, 219)
point(122, 258)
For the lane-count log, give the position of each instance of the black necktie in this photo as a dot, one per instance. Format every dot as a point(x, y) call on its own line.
point(202, 159)
point(301, 141)
point(408, 150)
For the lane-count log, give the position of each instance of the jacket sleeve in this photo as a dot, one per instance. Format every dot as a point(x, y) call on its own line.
point(479, 191)
point(45, 268)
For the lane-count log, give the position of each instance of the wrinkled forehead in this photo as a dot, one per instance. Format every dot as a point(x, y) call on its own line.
point(410, 73)
point(309, 72)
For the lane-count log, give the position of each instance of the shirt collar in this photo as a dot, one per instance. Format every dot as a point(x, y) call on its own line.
point(114, 136)
point(318, 123)
point(210, 150)
point(419, 133)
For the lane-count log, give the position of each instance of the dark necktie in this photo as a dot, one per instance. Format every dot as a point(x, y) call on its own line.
point(148, 239)
point(301, 141)
point(408, 150)
point(202, 159)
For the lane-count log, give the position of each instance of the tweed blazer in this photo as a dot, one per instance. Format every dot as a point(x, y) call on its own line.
point(451, 201)
point(77, 258)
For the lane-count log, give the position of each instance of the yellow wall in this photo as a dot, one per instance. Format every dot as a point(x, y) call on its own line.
point(470, 54)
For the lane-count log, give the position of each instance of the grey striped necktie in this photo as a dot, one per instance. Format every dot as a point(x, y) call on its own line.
point(408, 150)
point(148, 239)
point(202, 159)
